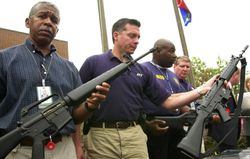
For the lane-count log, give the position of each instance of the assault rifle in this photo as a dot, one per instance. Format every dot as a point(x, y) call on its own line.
point(188, 118)
point(185, 119)
point(40, 125)
point(214, 100)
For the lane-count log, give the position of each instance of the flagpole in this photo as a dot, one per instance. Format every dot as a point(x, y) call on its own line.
point(103, 29)
point(183, 41)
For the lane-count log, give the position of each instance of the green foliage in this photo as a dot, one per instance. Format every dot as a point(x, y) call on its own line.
point(202, 73)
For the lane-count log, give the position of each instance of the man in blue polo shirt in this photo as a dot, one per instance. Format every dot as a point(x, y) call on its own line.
point(182, 66)
point(114, 131)
point(163, 140)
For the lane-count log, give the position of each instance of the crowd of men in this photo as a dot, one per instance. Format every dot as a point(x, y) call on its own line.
point(114, 126)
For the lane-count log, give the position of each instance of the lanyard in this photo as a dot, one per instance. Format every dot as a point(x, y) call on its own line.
point(164, 74)
point(46, 71)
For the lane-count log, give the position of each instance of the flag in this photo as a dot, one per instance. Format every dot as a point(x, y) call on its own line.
point(185, 13)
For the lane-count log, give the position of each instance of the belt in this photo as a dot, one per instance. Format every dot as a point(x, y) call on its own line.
point(118, 125)
point(29, 141)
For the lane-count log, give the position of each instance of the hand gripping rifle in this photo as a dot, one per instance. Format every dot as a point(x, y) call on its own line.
point(185, 119)
point(214, 100)
point(57, 114)
point(188, 118)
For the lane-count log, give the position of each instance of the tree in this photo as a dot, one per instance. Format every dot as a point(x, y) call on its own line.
point(202, 73)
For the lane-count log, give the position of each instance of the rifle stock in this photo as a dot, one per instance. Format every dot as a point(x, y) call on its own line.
point(194, 136)
point(9, 141)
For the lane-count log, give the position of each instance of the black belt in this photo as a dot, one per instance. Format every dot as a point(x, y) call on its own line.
point(118, 124)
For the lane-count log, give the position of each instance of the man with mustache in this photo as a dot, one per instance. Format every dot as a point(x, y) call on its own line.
point(34, 70)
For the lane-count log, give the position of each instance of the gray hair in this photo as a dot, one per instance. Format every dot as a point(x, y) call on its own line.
point(34, 9)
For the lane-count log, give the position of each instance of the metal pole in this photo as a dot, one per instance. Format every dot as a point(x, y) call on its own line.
point(183, 41)
point(102, 26)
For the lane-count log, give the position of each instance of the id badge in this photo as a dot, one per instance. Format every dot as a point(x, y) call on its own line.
point(43, 92)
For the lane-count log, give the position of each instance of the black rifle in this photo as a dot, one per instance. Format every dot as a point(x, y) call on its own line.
point(39, 125)
point(187, 118)
point(214, 100)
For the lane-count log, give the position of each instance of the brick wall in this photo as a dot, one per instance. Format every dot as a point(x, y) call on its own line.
point(10, 38)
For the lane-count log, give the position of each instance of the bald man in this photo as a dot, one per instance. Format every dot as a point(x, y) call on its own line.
point(163, 140)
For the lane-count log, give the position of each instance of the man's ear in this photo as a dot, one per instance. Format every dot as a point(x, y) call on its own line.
point(174, 66)
point(158, 51)
point(115, 35)
point(27, 22)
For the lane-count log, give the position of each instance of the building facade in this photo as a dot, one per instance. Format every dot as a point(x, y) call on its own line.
point(10, 38)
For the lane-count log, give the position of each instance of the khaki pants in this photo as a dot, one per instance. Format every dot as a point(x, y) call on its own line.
point(112, 143)
point(63, 150)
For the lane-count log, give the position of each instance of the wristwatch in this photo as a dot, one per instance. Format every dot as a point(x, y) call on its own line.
point(199, 91)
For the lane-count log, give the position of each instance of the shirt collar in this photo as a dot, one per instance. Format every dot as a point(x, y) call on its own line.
point(162, 68)
point(34, 49)
point(111, 56)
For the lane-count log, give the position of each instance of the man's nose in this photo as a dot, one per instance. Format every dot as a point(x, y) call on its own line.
point(185, 68)
point(48, 21)
point(137, 40)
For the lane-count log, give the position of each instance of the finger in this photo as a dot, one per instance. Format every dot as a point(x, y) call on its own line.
point(158, 121)
point(102, 89)
point(93, 102)
point(98, 96)
point(95, 98)
point(148, 121)
point(105, 84)
point(163, 128)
